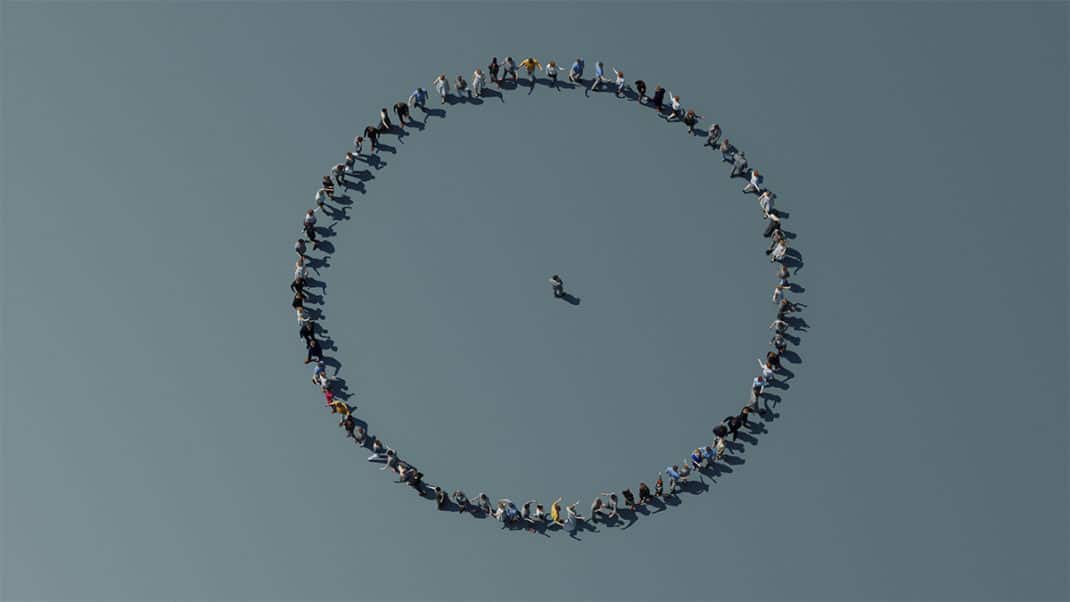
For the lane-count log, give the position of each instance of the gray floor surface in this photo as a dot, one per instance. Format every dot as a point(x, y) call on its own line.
point(161, 439)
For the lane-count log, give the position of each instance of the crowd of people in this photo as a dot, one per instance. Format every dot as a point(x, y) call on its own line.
point(705, 458)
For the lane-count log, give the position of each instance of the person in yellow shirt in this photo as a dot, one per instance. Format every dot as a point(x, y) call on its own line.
point(531, 64)
point(555, 512)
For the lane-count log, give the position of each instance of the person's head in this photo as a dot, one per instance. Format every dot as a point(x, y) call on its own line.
point(553, 63)
point(494, 59)
point(479, 72)
point(509, 59)
point(676, 98)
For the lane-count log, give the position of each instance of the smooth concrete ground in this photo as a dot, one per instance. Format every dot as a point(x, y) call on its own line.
point(160, 436)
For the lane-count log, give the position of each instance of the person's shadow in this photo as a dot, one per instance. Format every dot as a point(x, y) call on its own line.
point(570, 299)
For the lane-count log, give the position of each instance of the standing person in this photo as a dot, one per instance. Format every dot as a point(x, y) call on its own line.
point(510, 69)
point(300, 247)
point(713, 135)
point(765, 201)
point(599, 76)
point(310, 227)
point(384, 121)
point(358, 144)
point(728, 152)
point(675, 107)
point(418, 98)
point(629, 498)
point(461, 500)
point(531, 64)
point(773, 225)
point(690, 119)
point(372, 134)
point(551, 72)
point(298, 303)
point(782, 275)
point(558, 286)
point(572, 518)
point(442, 86)
point(378, 450)
point(755, 183)
point(779, 251)
point(492, 68)
point(768, 370)
point(555, 512)
point(479, 81)
point(484, 503)
point(659, 486)
point(575, 72)
point(313, 350)
point(339, 173)
point(349, 423)
point(644, 493)
point(441, 499)
point(739, 164)
point(674, 477)
point(611, 504)
point(596, 509)
point(401, 109)
point(306, 331)
point(640, 88)
point(659, 98)
point(621, 84)
point(462, 87)
point(351, 162)
point(732, 423)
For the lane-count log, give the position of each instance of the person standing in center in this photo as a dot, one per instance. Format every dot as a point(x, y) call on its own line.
point(558, 286)
point(442, 86)
point(531, 64)
point(551, 72)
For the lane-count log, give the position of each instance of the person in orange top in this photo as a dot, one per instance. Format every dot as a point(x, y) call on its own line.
point(531, 64)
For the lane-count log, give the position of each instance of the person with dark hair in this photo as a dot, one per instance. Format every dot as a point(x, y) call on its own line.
point(492, 68)
point(644, 493)
point(401, 109)
point(599, 76)
point(772, 358)
point(575, 73)
point(732, 423)
point(558, 286)
point(372, 134)
point(530, 64)
point(658, 99)
point(675, 108)
point(690, 119)
point(509, 69)
point(418, 98)
point(384, 121)
point(416, 481)
point(611, 504)
point(307, 330)
point(462, 87)
point(298, 303)
point(629, 498)
point(621, 84)
point(298, 285)
point(348, 423)
point(551, 72)
point(313, 350)
point(461, 500)
point(351, 161)
point(378, 451)
point(640, 89)
point(596, 509)
point(339, 173)
point(773, 225)
point(659, 487)
point(674, 477)
point(441, 499)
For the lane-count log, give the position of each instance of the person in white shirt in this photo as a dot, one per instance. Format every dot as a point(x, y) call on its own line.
point(442, 86)
point(765, 201)
point(779, 251)
point(621, 85)
point(767, 370)
point(676, 107)
point(299, 269)
point(755, 184)
point(478, 82)
point(551, 72)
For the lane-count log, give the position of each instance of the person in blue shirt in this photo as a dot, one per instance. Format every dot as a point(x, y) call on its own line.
point(599, 76)
point(575, 73)
point(418, 99)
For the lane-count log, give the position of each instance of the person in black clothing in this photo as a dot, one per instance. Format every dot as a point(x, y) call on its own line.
point(659, 97)
point(640, 88)
point(339, 173)
point(298, 286)
point(732, 423)
point(644, 493)
point(441, 499)
point(690, 119)
point(492, 68)
point(314, 350)
point(659, 486)
point(372, 134)
point(786, 307)
point(558, 286)
point(773, 357)
point(299, 246)
point(773, 225)
point(401, 109)
point(307, 331)
point(349, 423)
point(299, 301)
point(417, 481)
point(629, 498)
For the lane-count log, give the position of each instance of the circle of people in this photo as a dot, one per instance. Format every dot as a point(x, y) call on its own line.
point(531, 514)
